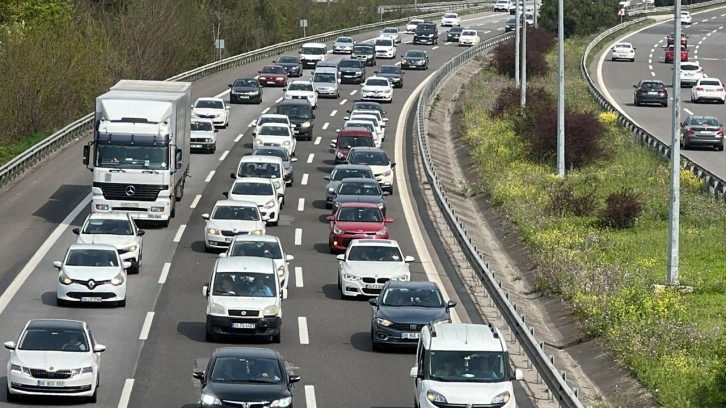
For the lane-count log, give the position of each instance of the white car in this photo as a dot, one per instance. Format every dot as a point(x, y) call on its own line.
point(367, 124)
point(411, 26)
point(204, 135)
point(623, 51)
point(275, 134)
point(260, 166)
point(450, 20)
point(377, 89)
point(373, 112)
point(244, 298)
point(368, 264)
point(690, 73)
point(212, 108)
point(301, 89)
point(55, 358)
point(260, 191)
point(392, 33)
point(686, 18)
point(385, 47)
point(380, 126)
point(708, 89)
point(469, 38)
point(264, 246)
point(118, 230)
point(91, 273)
point(378, 161)
point(270, 118)
point(230, 218)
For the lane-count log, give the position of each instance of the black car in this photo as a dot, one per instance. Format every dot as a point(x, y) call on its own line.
point(301, 116)
point(352, 71)
point(359, 190)
point(426, 33)
point(511, 25)
point(453, 34)
point(292, 64)
point(415, 59)
point(403, 308)
point(365, 53)
point(393, 73)
point(245, 90)
point(702, 131)
point(367, 105)
point(247, 376)
point(650, 91)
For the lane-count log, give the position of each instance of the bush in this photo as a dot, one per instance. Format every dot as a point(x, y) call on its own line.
point(509, 99)
point(564, 201)
point(622, 209)
point(540, 40)
point(507, 102)
point(503, 57)
point(580, 17)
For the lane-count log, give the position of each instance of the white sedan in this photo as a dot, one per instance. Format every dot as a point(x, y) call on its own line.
point(450, 20)
point(275, 134)
point(393, 33)
point(368, 263)
point(708, 89)
point(302, 89)
point(91, 273)
point(212, 108)
point(690, 73)
point(262, 192)
point(469, 38)
point(686, 18)
point(56, 358)
point(377, 89)
point(623, 51)
point(230, 218)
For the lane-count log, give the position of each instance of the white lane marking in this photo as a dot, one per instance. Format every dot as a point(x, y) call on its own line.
point(687, 111)
point(343, 102)
point(353, 92)
point(126, 393)
point(302, 323)
point(278, 100)
point(209, 177)
point(650, 61)
point(298, 277)
point(318, 139)
point(237, 139)
point(310, 397)
point(333, 113)
point(311, 157)
point(433, 48)
point(267, 109)
point(652, 74)
point(195, 201)
point(224, 155)
point(147, 326)
point(650, 67)
point(298, 236)
point(408, 212)
point(447, 43)
point(222, 94)
point(164, 273)
point(325, 125)
point(487, 32)
point(20, 279)
point(251, 124)
point(304, 180)
point(301, 204)
point(180, 232)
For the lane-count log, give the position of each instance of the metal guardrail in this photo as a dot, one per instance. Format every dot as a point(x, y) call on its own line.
point(544, 364)
point(79, 128)
point(439, 6)
point(642, 9)
point(716, 186)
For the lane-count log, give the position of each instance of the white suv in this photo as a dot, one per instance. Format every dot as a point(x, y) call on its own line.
point(302, 89)
point(275, 134)
point(450, 20)
point(269, 118)
point(118, 230)
point(463, 364)
point(378, 161)
point(368, 264)
point(385, 47)
point(261, 191)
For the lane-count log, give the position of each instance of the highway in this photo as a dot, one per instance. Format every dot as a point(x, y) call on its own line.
point(154, 342)
point(707, 45)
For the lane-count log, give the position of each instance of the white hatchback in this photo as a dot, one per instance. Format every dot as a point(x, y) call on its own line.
point(230, 218)
point(623, 51)
point(450, 20)
point(301, 89)
point(91, 273)
point(368, 264)
point(116, 229)
point(260, 191)
point(686, 18)
point(378, 161)
point(270, 118)
point(708, 89)
point(212, 108)
point(691, 72)
point(377, 89)
point(469, 38)
point(275, 134)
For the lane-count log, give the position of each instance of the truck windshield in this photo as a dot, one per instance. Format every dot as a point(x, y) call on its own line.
point(468, 366)
point(132, 157)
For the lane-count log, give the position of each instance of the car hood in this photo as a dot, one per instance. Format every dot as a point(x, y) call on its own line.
point(382, 269)
point(289, 64)
point(356, 226)
point(202, 133)
point(324, 84)
point(414, 58)
point(58, 360)
point(208, 111)
point(469, 392)
point(248, 392)
point(351, 198)
point(393, 76)
point(305, 94)
point(344, 45)
point(257, 199)
point(271, 75)
point(412, 314)
point(236, 225)
point(370, 88)
point(245, 302)
point(278, 140)
point(118, 241)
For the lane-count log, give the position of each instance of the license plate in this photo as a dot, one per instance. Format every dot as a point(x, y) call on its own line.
point(409, 335)
point(270, 82)
point(652, 93)
point(91, 299)
point(244, 96)
point(196, 146)
point(44, 383)
point(243, 325)
point(131, 205)
point(374, 286)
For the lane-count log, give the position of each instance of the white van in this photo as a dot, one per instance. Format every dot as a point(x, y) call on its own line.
point(270, 167)
point(312, 53)
point(462, 364)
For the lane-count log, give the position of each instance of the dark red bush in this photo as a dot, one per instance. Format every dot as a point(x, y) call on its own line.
point(503, 57)
point(564, 200)
point(622, 209)
point(507, 102)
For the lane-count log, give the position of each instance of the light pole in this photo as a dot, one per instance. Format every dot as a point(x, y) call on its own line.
point(674, 230)
point(523, 73)
point(561, 89)
point(517, 16)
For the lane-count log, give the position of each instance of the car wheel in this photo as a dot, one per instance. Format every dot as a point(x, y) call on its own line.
point(61, 303)
point(94, 398)
point(214, 149)
point(665, 105)
point(121, 303)
point(277, 337)
point(374, 344)
point(134, 269)
point(391, 190)
point(635, 102)
point(209, 337)
point(12, 397)
point(207, 249)
point(274, 223)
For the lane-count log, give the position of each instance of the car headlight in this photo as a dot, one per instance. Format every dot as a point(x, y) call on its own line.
point(306, 125)
point(258, 141)
point(337, 231)
point(419, 62)
point(383, 231)
point(131, 248)
point(281, 271)
point(331, 190)
point(276, 184)
point(212, 231)
point(270, 311)
point(502, 398)
point(216, 308)
point(350, 277)
point(118, 280)
point(255, 232)
point(401, 278)
point(254, 92)
point(383, 322)
point(340, 156)
point(209, 400)
point(270, 204)
point(83, 370)
point(64, 279)
point(387, 173)
point(282, 402)
point(434, 396)
point(286, 143)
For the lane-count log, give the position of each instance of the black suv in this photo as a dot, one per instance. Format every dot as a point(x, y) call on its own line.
point(352, 71)
point(365, 53)
point(301, 117)
point(426, 33)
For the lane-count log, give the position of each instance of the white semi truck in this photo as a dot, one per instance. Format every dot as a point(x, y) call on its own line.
point(140, 150)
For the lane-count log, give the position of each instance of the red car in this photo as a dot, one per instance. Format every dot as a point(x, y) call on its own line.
point(350, 137)
point(671, 38)
point(356, 221)
point(272, 75)
point(671, 50)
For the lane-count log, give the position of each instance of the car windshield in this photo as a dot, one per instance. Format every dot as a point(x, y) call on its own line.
point(281, 153)
point(689, 67)
point(39, 339)
point(423, 297)
point(92, 257)
point(377, 82)
point(353, 141)
point(359, 112)
point(313, 50)
point(369, 158)
point(294, 111)
point(450, 15)
point(245, 284)
point(274, 131)
point(350, 63)
point(344, 40)
point(628, 46)
point(390, 30)
point(246, 370)
point(363, 49)
point(389, 69)
point(341, 174)
point(246, 82)
point(652, 85)
point(350, 214)
point(109, 227)
point(271, 119)
point(288, 60)
point(375, 253)
point(232, 212)
point(202, 126)
point(324, 77)
point(384, 42)
point(273, 69)
point(208, 104)
point(414, 54)
point(259, 249)
point(459, 29)
point(710, 82)
point(704, 121)
point(301, 86)
point(468, 366)
point(359, 188)
point(469, 33)
point(259, 189)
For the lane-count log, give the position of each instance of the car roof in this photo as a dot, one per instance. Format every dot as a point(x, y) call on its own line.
point(93, 246)
point(463, 337)
point(349, 38)
point(357, 180)
point(236, 203)
point(374, 242)
point(265, 238)
point(274, 115)
point(377, 77)
point(352, 167)
point(358, 205)
point(60, 324)
point(302, 102)
point(326, 70)
point(314, 44)
point(355, 131)
point(245, 264)
point(259, 159)
point(247, 352)
point(250, 180)
point(208, 98)
point(274, 124)
point(109, 216)
point(413, 284)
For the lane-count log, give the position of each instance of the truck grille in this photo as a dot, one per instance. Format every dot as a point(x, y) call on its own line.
point(62, 374)
point(130, 192)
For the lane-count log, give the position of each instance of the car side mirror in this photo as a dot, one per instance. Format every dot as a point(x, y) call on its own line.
point(326, 178)
point(178, 157)
point(375, 72)
point(57, 264)
point(289, 258)
point(216, 130)
point(259, 72)
point(226, 194)
point(141, 233)
point(284, 89)
point(450, 304)
point(86, 155)
point(330, 218)
point(199, 375)
point(265, 218)
point(99, 348)
point(340, 257)
point(373, 301)
point(294, 379)
point(233, 176)
point(230, 85)
point(635, 86)
point(127, 265)
point(385, 119)
point(385, 193)
point(223, 255)
point(337, 130)
point(205, 290)
point(518, 375)
point(409, 259)
point(77, 231)
point(205, 216)
point(10, 345)
point(393, 165)
point(312, 116)
point(332, 145)
point(388, 220)
point(293, 160)
point(414, 372)
point(346, 117)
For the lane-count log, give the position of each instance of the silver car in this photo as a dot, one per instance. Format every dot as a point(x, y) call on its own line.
point(343, 45)
point(392, 33)
point(340, 172)
point(287, 160)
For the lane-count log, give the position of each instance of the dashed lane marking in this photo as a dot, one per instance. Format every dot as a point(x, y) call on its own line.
point(311, 157)
point(209, 176)
point(302, 323)
point(301, 204)
point(164, 273)
point(298, 236)
point(224, 155)
point(298, 277)
point(147, 326)
point(195, 201)
point(304, 180)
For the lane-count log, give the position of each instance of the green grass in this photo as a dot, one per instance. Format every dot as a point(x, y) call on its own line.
point(10, 151)
point(666, 337)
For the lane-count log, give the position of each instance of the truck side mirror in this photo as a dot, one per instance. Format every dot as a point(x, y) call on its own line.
point(178, 159)
point(86, 154)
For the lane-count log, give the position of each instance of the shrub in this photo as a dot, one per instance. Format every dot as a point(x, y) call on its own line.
point(504, 54)
point(580, 17)
point(540, 40)
point(507, 102)
point(509, 99)
point(564, 200)
point(608, 118)
point(622, 209)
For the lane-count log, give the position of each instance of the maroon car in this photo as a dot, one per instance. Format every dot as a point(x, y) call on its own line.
point(348, 138)
point(356, 221)
point(272, 75)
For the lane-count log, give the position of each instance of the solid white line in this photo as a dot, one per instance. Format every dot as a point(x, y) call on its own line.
point(304, 180)
point(209, 177)
point(301, 204)
point(298, 277)
point(333, 113)
point(343, 102)
point(325, 125)
point(180, 232)
point(302, 323)
point(278, 100)
point(164, 273)
point(237, 139)
point(687, 111)
point(19, 280)
point(298, 236)
point(126, 393)
point(311, 157)
point(318, 139)
point(147, 326)
point(267, 109)
point(195, 201)
point(353, 92)
point(310, 397)
point(224, 155)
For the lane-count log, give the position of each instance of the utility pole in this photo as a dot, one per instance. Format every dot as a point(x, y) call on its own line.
point(536, 11)
point(561, 89)
point(517, 17)
point(523, 67)
point(674, 230)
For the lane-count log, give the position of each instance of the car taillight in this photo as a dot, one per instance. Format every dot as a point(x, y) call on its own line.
point(719, 89)
point(689, 130)
point(699, 89)
point(662, 91)
point(719, 132)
